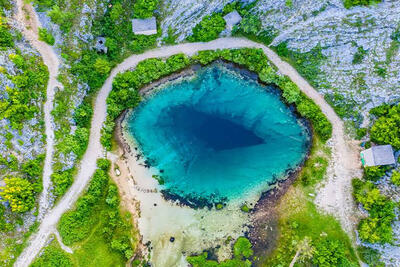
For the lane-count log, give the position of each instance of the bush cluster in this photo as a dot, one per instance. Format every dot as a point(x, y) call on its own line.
point(208, 29)
point(386, 129)
point(376, 228)
point(145, 8)
point(46, 37)
point(242, 251)
point(351, 3)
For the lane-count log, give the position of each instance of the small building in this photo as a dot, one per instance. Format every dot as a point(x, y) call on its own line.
point(377, 156)
point(100, 45)
point(233, 18)
point(144, 26)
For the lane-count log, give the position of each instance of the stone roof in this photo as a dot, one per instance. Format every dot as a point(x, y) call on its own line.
point(232, 18)
point(378, 155)
point(144, 26)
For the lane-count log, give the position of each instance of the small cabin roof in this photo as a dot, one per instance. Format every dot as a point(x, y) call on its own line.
point(232, 18)
point(378, 155)
point(144, 25)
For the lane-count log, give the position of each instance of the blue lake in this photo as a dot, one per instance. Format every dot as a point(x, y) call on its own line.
point(218, 134)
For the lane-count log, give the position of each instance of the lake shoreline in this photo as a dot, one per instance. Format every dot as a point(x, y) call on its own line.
point(263, 212)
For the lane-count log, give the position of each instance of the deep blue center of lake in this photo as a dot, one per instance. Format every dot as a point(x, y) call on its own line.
point(218, 134)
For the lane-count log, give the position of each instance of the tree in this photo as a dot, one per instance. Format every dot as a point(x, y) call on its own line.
point(396, 178)
point(102, 66)
point(329, 253)
point(19, 193)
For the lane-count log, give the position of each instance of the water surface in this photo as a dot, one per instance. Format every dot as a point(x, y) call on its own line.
point(218, 135)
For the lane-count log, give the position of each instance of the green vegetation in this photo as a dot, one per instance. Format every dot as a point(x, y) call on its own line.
point(219, 206)
point(300, 221)
point(24, 100)
point(101, 233)
point(208, 29)
point(359, 55)
point(145, 8)
point(377, 227)
point(52, 256)
point(242, 251)
point(245, 208)
point(46, 37)
point(307, 64)
point(351, 3)
point(370, 256)
point(6, 39)
point(62, 180)
point(386, 129)
point(19, 193)
point(396, 178)
point(374, 173)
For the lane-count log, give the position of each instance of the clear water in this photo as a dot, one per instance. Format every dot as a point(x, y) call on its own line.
point(219, 134)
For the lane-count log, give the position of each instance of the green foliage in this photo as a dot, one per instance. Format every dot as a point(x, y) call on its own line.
point(208, 29)
point(307, 64)
point(98, 210)
point(329, 253)
point(46, 37)
point(359, 55)
point(373, 173)
point(361, 132)
point(6, 39)
point(242, 251)
point(20, 194)
point(53, 256)
point(351, 3)
point(63, 19)
point(396, 178)
point(145, 8)
point(30, 87)
point(171, 37)
point(386, 129)
point(245, 208)
point(83, 114)
point(242, 248)
point(250, 25)
point(62, 180)
point(102, 66)
point(75, 225)
point(33, 168)
point(76, 143)
point(377, 227)
point(370, 256)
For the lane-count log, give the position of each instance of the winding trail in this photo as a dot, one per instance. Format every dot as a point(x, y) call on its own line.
point(27, 18)
point(345, 155)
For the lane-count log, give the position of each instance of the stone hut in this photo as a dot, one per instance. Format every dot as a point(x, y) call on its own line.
point(233, 18)
point(101, 45)
point(144, 26)
point(377, 156)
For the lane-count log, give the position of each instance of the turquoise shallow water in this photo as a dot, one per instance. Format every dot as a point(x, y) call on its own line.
point(219, 134)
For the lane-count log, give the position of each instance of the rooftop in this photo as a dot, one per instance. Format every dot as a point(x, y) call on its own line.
point(232, 18)
point(378, 155)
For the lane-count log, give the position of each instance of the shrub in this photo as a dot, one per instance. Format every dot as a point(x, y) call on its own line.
point(19, 193)
point(208, 29)
point(373, 173)
point(359, 55)
point(6, 39)
point(250, 25)
point(62, 180)
point(46, 37)
point(351, 3)
point(396, 178)
point(145, 8)
point(52, 256)
point(329, 253)
point(386, 129)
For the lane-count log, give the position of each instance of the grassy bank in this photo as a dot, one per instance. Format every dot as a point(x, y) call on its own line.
point(299, 219)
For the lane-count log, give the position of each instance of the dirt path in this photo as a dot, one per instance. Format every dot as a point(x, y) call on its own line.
point(346, 156)
point(27, 17)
